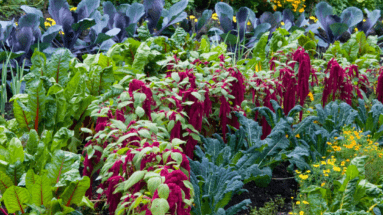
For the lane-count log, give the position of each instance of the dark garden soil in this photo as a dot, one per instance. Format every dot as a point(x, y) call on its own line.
point(8, 111)
point(260, 195)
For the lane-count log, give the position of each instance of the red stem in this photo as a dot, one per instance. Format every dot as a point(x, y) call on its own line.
point(2, 210)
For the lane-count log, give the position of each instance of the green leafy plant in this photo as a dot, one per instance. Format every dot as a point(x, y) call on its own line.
point(351, 193)
point(41, 177)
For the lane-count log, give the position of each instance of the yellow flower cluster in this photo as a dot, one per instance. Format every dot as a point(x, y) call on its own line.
point(311, 96)
point(313, 18)
point(214, 16)
point(303, 176)
point(49, 22)
point(73, 9)
point(192, 18)
point(297, 5)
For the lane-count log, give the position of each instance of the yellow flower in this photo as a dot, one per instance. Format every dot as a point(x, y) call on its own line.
point(323, 162)
point(313, 18)
point(322, 184)
point(191, 17)
point(248, 23)
point(214, 16)
point(328, 143)
point(73, 8)
point(305, 202)
point(234, 19)
point(311, 96)
point(301, 10)
point(301, 213)
point(292, 197)
point(297, 136)
point(60, 32)
point(274, 7)
point(287, 136)
point(316, 165)
point(348, 160)
point(16, 23)
point(326, 175)
point(337, 169)
point(282, 23)
point(303, 177)
point(364, 20)
point(343, 163)
point(298, 172)
point(298, 202)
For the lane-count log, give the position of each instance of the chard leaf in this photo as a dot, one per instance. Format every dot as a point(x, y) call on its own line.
point(5, 182)
point(58, 66)
point(15, 199)
point(61, 138)
point(74, 193)
point(16, 152)
point(22, 114)
point(62, 162)
point(41, 191)
point(36, 102)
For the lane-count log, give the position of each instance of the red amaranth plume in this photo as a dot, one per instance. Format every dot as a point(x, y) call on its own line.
point(303, 75)
point(113, 199)
point(188, 73)
point(363, 82)
point(290, 83)
point(337, 84)
point(139, 85)
point(174, 180)
point(379, 87)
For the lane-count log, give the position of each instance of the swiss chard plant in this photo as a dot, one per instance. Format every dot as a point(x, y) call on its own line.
point(40, 177)
point(59, 93)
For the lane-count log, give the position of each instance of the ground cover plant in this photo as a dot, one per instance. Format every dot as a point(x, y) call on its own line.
point(146, 108)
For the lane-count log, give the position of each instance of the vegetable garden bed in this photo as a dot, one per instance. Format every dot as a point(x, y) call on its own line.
point(141, 108)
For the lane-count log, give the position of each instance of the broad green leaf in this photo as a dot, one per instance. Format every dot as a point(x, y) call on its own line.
point(140, 111)
point(74, 193)
point(58, 66)
point(22, 114)
point(38, 63)
point(86, 202)
point(15, 199)
point(5, 182)
point(106, 79)
point(41, 191)
point(62, 162)
point(61, 138)
point(159, 206)
point(163, 191)
point(33, 142)
point(153, 183)
point(57, 207)
point(133, 179)
point(36, 102)
point(16, 152)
